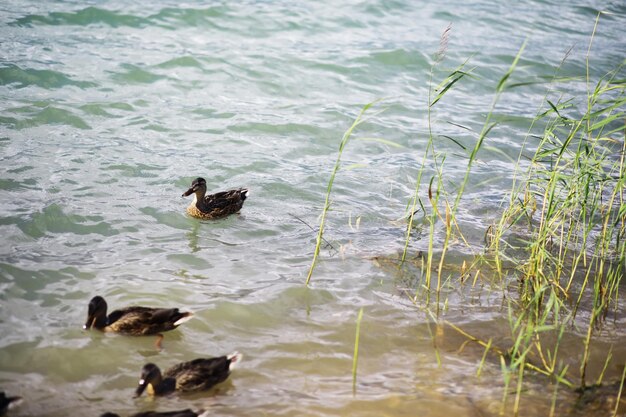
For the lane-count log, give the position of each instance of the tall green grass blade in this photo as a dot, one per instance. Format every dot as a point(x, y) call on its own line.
point(382, 141)
point(449, 82)
point(482, 361)
point(506, 76)
point(619, 394)
point(606, 121)
point(342, 145)
point(355, 356)
point(459, 144)
point(486, 128)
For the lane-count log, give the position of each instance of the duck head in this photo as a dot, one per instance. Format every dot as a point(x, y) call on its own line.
point(199, 184)
point(96, 314)
point(150, 377)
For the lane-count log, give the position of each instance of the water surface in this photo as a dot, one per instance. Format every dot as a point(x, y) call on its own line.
point(107, 112)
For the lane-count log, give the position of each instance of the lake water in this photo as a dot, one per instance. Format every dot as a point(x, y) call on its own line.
point(110, 109)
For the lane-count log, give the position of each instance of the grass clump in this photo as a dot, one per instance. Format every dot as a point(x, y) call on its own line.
point(562, 233)
point(563, 230)
point(569, 215)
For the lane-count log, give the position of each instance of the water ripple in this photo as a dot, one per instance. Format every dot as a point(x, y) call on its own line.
point(52, 219)
point(190, 17)
point(18, 77)
point(83, 17)
point(46, 115)
point(134, 74)
point(108, 112)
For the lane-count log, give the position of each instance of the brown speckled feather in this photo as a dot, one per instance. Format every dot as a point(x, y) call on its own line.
point(141, 321)
point(199, 374)
point(219, 205)
point(216, 205)
point(196, 375)
point(135, 320)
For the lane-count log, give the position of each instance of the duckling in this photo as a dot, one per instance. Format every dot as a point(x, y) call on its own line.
point(178, 413)
point(8, 402)
point(213, 206)
point(196, 375)
point(134, 321)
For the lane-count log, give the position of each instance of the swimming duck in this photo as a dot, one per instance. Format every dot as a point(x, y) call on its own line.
point(135, 320)
point(179, 413)
point(8, 402)
point(213, 206)
point(196, 375)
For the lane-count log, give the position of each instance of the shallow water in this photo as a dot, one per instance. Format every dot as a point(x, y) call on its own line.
point(109, 110)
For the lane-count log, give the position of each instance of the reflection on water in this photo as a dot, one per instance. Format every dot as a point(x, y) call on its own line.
point(193, 237)
point(108, 111)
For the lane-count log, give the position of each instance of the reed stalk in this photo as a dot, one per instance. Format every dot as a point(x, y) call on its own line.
point(329, 187)
point(435, 94)
point(355, 356)
point(568, 202)
point(572, 202)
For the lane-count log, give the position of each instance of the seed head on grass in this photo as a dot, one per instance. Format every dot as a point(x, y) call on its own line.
point(443, 44)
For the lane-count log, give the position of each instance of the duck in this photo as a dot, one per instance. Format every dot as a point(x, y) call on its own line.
point(8, 402)
point(178, 413)
point(213, 206)
point(196, 375)
point(134, 320)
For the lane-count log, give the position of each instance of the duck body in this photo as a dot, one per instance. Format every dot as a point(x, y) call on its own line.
point(135, 321)
point(196, 375)
point(213, 206)
point(178, 413)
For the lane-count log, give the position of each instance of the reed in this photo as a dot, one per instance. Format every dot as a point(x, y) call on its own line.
point(440, 197)
point(564, 227)
point(430, 156)
point(355, 356)
point(567, 212)
point(570, 206)
point(329, 187)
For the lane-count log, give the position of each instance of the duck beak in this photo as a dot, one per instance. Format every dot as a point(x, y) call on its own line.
point(189, 191)
point(141, 388)
point(89, 324)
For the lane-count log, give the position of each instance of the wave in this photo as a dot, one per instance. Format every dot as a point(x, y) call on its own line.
point(16, 76)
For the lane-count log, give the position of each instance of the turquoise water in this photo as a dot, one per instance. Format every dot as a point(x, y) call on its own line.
point(109, 110)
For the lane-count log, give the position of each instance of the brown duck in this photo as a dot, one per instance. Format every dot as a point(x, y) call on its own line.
point(213, 206)
point(135, 320)
point(178, 413)
point(196, 375)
